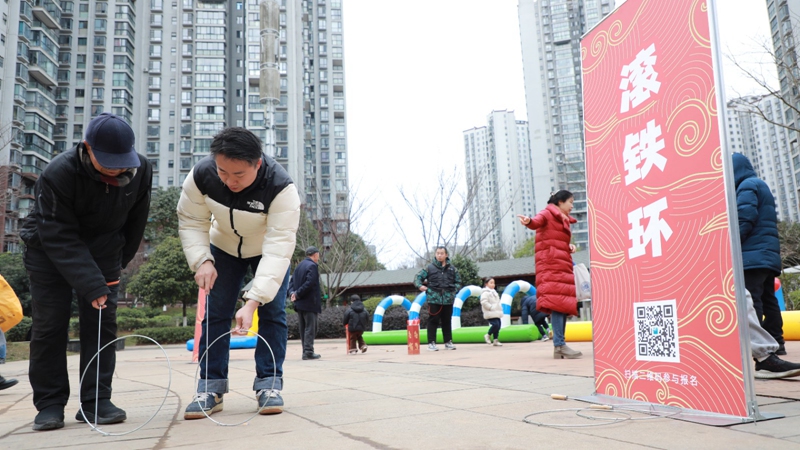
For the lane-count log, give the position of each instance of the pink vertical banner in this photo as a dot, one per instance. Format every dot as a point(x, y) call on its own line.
point(198, 323)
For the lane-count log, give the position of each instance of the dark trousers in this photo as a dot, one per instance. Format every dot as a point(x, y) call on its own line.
point(541, 324)
point(308, 330)
point(761, 284)
point(51, 300)
point(443, 314)
point(356, 340)
point(494, 328)
point(217, 322)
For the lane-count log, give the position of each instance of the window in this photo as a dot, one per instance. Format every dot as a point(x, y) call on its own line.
point(152, 147)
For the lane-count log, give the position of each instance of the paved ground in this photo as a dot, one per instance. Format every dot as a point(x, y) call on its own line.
point(474, 397)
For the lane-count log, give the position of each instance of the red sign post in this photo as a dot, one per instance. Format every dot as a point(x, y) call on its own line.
point(413, 336)
point(665, 321)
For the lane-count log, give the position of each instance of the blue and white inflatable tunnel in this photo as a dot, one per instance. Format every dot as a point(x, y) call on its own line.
point(508, 295)
point(386, 303)
point(462, 296)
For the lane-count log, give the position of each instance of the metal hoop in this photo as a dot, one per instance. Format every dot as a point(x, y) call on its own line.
point(197, 374)
point(560, 425)
point(96, 356)
point(625, 414)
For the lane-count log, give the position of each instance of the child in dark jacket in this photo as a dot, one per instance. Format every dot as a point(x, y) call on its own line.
point(357, 320)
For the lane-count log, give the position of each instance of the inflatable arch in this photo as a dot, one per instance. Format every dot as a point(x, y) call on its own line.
point(386, 303)
point(508, 295)
point(462, 296)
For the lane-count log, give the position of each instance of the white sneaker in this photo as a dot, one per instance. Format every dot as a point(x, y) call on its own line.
point(497, 343)
point(545, 338)
point(487, 339)
point(432, 347)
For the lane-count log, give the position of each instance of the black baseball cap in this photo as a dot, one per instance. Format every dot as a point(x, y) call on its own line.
point(111, 140)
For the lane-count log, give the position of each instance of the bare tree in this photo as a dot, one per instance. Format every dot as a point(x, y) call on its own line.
point(342, 250)
point(760, 66)
point(440, 211)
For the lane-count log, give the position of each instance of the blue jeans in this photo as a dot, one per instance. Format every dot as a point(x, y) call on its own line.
point(558, 321)
point(220, 311)
point(2, 345)
point(494, 328)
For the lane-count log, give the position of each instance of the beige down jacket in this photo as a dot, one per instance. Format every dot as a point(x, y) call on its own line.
point(261, 220)
point(490, 304)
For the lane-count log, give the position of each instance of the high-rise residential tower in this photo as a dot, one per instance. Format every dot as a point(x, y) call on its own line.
point(498, 166)
point(178, 71)
point(550, 32)
point(767, 145)
point(783, 21)
point(201, 64)
point(29, 47)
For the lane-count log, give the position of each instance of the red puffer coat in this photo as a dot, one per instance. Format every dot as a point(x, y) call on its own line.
point(555, 280)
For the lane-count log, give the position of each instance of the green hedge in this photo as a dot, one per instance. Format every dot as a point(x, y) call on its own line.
point(165, 335)
point(20, 331)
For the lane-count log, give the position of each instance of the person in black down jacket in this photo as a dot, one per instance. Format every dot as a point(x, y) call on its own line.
point(85, 227)
point(761, 248)
point(307, 298)
point(356, 318)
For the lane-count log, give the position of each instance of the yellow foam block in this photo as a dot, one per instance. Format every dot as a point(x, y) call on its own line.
point(791, 325)
point(579, 332)
point(582, 331)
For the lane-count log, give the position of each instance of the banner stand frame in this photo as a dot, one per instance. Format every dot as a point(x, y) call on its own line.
point(673, 412)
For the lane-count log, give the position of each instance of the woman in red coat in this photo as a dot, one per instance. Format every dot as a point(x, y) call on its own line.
point(555, 280)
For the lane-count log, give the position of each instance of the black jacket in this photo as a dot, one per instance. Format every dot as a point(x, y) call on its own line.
point(85, 229)
point(356, 317)
point(305, 286)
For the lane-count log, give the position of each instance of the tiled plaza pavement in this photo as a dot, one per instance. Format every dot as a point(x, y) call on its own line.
point(474, 397)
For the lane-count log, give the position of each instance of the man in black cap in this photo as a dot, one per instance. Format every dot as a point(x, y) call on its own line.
point(307, 299)
point(86, 226)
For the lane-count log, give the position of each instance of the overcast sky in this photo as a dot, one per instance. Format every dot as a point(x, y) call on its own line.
point(421, 72)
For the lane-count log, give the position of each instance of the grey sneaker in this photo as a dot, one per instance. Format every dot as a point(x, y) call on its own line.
point(545, 338)
point(203, 404)
point(449, 345)
point(269, 401)
point(432, 347)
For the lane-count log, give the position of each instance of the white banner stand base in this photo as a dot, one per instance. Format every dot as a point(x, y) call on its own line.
point(674, 412)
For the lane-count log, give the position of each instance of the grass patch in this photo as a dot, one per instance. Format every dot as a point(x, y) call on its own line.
point(17, 351)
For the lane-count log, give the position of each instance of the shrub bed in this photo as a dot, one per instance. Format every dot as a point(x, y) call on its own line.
point(20, 331)
point(165, 335)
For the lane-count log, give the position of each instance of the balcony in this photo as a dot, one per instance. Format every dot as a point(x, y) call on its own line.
point(45, 73)
point(48, 12)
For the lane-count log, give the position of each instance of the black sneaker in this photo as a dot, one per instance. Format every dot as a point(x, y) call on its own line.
point(50, 418)
point(6, 383)
point(781, 350)
point(774, 368)
point(311, 356)
point(107, 413)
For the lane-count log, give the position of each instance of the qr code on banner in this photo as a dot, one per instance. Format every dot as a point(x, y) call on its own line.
point(656, 331)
